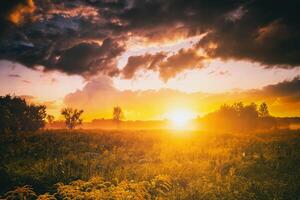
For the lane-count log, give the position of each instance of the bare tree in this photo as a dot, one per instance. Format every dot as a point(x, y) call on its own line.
point(117, 113)
point(72, 117)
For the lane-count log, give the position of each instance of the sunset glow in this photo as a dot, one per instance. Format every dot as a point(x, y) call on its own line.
point(89, 56)
point(149, 99)
point(180, 118)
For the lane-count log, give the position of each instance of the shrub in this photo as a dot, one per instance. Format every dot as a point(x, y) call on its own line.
point(17, 115)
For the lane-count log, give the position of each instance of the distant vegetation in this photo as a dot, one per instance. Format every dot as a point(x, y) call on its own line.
point(16, 115)
point(240, 117)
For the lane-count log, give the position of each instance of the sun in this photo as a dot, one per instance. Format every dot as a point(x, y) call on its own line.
point(180, 118)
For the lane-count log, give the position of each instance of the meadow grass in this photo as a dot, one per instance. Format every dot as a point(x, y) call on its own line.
point(152, 164)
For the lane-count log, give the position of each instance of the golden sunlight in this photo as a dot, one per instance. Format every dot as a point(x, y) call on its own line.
point(178, 99)
point(180, 118)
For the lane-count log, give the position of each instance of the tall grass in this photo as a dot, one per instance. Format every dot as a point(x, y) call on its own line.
point(152, 164)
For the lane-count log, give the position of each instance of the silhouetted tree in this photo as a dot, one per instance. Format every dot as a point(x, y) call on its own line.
point(266, 120)
point(5, 118)
point(238, 107)
point(17, 115)
point(72, 117)
point(50, 119)
point(248, 117)
point(117, 113)
point(240, 117)
point(263, 110)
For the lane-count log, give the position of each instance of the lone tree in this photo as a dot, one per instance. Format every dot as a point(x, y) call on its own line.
point(17, 115)
point(263, 110)
point(117, 113)
point(72, 117)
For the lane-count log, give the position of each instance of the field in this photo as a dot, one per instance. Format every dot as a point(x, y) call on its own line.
point(150, 165)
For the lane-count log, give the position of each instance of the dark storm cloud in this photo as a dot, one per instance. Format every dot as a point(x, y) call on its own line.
point(288, 90)
point(145, 62)
point(89, 58)
point(261, 31)
point(264, 31)
point(13, 11)
point(68, 36)
point(167, 66)
point(267, 33)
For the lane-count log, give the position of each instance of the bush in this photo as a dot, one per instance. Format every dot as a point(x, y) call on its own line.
point(17, 115)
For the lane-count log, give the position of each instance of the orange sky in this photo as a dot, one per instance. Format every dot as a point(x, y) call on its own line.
point(150, 58)
point(146, 96)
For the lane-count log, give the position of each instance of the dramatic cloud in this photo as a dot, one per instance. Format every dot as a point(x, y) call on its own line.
point(184, 59)
point(286, 90)
point(167, 66)
point(284, 97)
point(260, 31)
point(146, 62)
point(20, 11)
point(89, 58)
point(15, 12)
point(52, 33)
point(69, 36)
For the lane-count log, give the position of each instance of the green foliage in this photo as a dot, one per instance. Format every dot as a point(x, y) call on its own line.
point(72, 117)
point(151, 165)
point(17, 115)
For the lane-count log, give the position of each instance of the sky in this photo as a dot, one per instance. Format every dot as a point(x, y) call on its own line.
point(151, 57)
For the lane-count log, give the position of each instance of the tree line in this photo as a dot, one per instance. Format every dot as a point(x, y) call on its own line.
point(18, 115)
point(240, 117)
